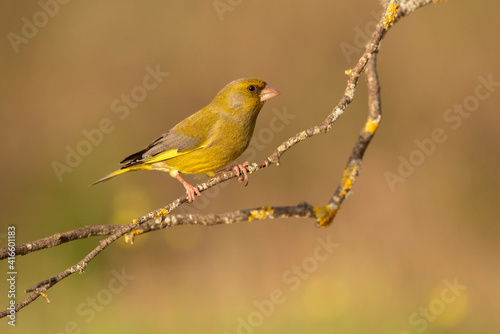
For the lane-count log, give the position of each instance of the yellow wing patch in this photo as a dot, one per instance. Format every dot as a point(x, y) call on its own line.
point(171, 154)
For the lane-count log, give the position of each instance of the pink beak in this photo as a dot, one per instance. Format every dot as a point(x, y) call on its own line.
point(268, 93)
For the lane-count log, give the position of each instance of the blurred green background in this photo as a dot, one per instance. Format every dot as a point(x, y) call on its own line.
point(398, 249)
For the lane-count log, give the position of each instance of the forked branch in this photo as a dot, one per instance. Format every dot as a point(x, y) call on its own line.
point(324, 215)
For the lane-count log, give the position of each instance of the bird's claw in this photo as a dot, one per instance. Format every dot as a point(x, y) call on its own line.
point(242, 172)
point(191, 192)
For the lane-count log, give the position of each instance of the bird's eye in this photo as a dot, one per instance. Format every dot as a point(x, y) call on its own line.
point(251, 88)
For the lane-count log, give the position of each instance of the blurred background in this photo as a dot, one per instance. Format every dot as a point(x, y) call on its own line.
point(415, 248)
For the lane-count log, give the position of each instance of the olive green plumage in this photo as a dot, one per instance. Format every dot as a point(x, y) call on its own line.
point(209, 139)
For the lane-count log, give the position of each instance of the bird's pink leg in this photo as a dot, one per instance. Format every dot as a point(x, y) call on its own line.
point(190, 190)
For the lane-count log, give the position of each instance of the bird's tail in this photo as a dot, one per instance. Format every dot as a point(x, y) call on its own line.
point(121, 171)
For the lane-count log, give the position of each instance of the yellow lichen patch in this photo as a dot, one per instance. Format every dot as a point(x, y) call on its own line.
point(135, 221)
point(324, 215)
point(348, 180)
point(161, 213)
point(44, 295)
point(129, 238)
point(261, 214)
point(348, 72)
point(59, 236)
point(371, 126)
point(390, 15)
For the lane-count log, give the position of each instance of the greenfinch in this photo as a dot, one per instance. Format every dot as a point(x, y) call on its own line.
point(209, 139)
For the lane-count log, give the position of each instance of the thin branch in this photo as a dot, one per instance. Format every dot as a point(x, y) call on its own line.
point(325, 215)
point(409, 6)
point(60, 238)
point(302, 210)
point(160, 218)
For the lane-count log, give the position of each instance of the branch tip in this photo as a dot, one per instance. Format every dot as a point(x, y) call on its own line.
point(44, 295)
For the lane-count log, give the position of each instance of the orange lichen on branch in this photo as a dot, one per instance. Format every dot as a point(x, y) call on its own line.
point(390, 15)
point(129, 238)
point(161, 213)
point(324, 215)
point(348, 179)
point(263, 213)
point(371, 126)
point(44, 295)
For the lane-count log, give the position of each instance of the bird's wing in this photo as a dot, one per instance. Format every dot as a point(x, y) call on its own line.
point(191, 134)
point(169, 145)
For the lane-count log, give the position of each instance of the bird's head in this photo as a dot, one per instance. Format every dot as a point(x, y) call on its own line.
point(244, 96)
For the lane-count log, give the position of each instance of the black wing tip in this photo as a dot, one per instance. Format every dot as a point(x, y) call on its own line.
point(133, 158)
